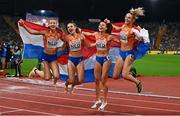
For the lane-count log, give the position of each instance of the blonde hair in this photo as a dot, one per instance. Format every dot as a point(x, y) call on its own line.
point(137, 12)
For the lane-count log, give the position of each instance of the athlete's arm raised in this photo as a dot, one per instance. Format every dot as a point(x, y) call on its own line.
point(21, 23)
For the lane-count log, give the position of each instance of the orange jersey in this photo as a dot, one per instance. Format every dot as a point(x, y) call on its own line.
point(102, 43)
point(53, 39)
point(127, 37)
point(75, 43)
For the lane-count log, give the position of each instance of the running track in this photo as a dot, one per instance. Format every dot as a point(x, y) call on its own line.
point(160, 96)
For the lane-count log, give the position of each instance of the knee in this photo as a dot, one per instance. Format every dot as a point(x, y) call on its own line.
point(104, 82)
point(97, 81)
point(125, 74)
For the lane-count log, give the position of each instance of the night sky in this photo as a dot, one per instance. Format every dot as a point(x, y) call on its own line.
point(156, 10)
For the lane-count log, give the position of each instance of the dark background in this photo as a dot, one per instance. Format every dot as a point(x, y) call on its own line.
point(156, 10)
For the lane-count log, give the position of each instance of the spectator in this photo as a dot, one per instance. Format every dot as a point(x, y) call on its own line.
point(8, 56)
point(3, 55)
point(17, 60)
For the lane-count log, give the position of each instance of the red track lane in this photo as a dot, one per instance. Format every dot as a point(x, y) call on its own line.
point(44, 100)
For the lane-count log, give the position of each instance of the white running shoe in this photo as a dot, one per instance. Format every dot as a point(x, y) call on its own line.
point(95, 104)
point(103, 105)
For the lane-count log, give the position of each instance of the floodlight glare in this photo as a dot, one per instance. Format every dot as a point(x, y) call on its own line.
point(44, 20)
point(42, 11)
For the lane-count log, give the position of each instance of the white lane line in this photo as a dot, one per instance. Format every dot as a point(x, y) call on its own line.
point(2, 113)
point(149, 108)
point(45, 113)
point(57, 105)
point(134, 94)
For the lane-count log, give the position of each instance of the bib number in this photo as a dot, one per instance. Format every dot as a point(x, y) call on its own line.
point(75, 46)
point(123, 37)
point(52, 44)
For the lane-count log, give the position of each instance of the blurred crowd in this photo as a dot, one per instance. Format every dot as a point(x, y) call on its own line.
point(10, 48)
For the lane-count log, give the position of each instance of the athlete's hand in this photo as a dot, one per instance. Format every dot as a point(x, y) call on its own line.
point(21, 22)
point(107, 20)
point(136, 32)
point(80, 30)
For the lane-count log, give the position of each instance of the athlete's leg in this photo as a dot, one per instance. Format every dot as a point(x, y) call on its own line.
point(71, 74)
point(40, 73)
point(47, 74)
point(118, 67)
point(80, 74)
point(126, 72)
point(55, 70)
point(105, 70)
point(97, 75)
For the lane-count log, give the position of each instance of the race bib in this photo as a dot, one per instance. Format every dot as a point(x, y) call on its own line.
point(123, 37)
point(52, 43)
point(101, 44)
point(75, 45)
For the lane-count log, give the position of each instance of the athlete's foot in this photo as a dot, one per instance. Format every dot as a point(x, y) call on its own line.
point(103, 105)
point(31, 74)
point(66, 88)
point(71, 89)
point(95, 104)
point(47, 79)
point(139, 87)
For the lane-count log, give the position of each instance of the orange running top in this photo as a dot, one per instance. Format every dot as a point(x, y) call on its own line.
point(75, 43)
point(127, 38)
point(102, 42)
point(53, 39)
